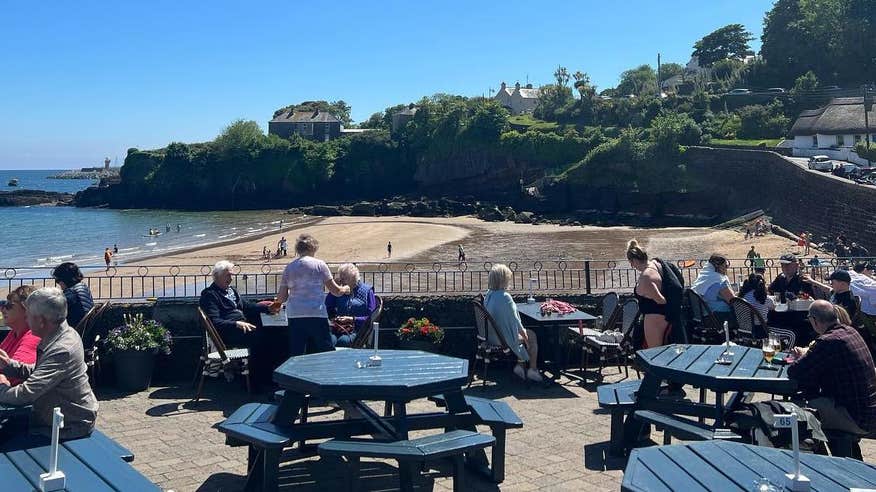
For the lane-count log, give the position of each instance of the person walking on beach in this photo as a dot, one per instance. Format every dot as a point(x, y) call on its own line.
point(266, 253)
point(107, 258)
point(178, 227)
point(282, 245)
point(389, 249)
point(167, 228)
point(461, 255)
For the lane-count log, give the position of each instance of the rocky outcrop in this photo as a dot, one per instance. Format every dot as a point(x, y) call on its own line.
point(22, 198)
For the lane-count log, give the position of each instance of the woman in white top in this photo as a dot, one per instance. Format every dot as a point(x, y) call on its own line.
point(302, 288)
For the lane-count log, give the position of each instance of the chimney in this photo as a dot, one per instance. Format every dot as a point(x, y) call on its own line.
point(106, 163)
point(517, 86)
point(529, 86)
point(502, 86)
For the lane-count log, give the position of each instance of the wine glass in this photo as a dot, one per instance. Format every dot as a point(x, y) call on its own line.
point(769, 351)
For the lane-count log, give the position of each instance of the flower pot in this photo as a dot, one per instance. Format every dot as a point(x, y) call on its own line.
point(133, 369)
point(422, 345)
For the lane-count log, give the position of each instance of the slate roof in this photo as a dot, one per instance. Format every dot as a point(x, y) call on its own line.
point(529, 93)
point(842, 115)
point(305, 117)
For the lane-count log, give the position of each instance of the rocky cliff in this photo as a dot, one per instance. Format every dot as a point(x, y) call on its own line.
point(21, 198)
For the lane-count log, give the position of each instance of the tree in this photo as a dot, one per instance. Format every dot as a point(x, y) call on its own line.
point(787, 44)
point(583, 86)
point(669, 70)
point(805, 83)
point(726, 42)
point(562, 76)
point(637, 81)
point(758, 121)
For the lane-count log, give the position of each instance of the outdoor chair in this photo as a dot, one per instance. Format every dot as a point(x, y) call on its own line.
point(217, 359)
point(787, 337)
point(487, 352)
point(365, 337)
point(612, 350)
point(750, 325)
point(704, 326)
point(91, 341)
point(608, 320)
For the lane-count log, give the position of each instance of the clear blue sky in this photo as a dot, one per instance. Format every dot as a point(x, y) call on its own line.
point(83, 80)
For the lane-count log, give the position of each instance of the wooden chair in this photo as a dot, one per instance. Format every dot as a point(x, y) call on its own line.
point(610, 310)
point(487, 351)
point(605, 350)
point(748, 319)
point(365, 337)
point(788, 337)
point(91, 341)
point(704, 325)
point(216, 358)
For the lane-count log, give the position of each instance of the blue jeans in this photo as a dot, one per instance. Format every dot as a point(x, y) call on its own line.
point(344, 340)
point(309, 335)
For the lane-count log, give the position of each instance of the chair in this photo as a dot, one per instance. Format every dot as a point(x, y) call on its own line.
point(747, 320)
point(365, 337)
point(217, 358)
point(610, 311)
point(91, 341)
point(788, 337)
point(487, 352)
point(605, 350)
point(704, 325)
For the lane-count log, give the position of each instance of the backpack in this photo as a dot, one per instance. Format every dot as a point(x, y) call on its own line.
point(754, 422)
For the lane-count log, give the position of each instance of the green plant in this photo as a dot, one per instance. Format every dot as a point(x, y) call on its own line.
point(139, 334)
point(420, 329)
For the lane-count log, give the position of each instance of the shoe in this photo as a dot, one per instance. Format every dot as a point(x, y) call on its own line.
point(533, 375)
point(518, 371)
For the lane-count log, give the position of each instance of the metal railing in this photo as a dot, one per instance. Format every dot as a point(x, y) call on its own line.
point(438, 278)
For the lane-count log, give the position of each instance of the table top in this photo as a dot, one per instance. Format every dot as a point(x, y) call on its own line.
point(696, 365)
point(87, 464)
point(404, 375)
point(533, 311)
point(721, 465)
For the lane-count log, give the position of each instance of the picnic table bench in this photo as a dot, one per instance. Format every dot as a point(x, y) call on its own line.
point(619, 399)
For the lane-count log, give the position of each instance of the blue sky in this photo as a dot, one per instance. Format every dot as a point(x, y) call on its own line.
point(84, 80)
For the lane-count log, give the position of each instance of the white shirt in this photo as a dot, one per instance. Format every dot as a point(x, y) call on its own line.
point(865, 288)
point(305, 278)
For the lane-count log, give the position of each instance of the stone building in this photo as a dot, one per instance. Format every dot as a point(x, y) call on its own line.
point(320, 126)
point(519, 100)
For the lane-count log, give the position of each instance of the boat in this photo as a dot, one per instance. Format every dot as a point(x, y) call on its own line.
point(13, 182)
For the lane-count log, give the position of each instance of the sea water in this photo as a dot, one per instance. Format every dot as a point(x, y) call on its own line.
point(43, 236)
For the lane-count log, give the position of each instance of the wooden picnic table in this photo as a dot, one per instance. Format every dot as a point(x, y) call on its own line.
point(696, 365)
point(88, 463)
point(721, 465)
point(551, 331)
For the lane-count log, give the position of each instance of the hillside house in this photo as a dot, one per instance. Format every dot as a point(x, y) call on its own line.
point(519, 100)
point(834, 130)
point(320, 126)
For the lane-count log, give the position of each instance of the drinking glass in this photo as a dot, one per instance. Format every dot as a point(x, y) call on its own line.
point(769, 351)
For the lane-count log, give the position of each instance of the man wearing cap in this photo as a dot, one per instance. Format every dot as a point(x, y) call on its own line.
point(789, 280)
point(839, 288)
point(836, 374)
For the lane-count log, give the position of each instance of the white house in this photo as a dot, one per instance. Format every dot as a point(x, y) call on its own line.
point(518, 100)
point(833, 130)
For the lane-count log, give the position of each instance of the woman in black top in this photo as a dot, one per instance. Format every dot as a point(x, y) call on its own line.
point(652, 304)
point(79, 301)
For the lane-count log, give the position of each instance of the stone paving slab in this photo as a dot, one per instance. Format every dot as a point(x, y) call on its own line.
point(562, 445)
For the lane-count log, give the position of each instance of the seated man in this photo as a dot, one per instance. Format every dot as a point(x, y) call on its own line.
point(59, 378)
point(836, 374)
point(789, 280)
point(839, 290)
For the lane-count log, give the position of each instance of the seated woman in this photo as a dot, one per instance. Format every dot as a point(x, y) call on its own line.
point(20, 344)
point(349, 312)
point(713, 286)
point(754, 292)
point(69, 278)
point(523, 342)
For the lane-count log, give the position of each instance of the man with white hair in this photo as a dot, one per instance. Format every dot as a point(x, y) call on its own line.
point(59, 377)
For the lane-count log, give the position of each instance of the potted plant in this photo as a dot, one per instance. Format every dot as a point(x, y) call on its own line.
point(419, 334)
point(134, 345)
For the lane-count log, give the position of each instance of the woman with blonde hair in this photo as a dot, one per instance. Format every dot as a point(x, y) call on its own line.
point(302, 289)
point(523, 342)
point(349, 313)
point(652, 303)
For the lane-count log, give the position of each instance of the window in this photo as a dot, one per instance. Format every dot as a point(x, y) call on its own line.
point(305, 128)
point(815, 140)
point(840, 140)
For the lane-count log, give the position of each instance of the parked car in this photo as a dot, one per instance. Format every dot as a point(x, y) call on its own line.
point(775, 90)
point(738, 92)
point(821, 163)
point(846, 170)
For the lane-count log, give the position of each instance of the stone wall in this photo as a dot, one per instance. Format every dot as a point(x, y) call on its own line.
point(796, 198)
point(454, 313)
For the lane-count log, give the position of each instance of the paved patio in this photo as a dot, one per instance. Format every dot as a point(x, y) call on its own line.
point(561, 446)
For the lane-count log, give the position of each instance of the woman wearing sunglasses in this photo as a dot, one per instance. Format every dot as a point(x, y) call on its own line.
point(20, 343)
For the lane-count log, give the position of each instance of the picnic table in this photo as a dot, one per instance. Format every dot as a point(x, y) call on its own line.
point(721, 465)
point(88, 463)
point(697, 365)
point(550, 330)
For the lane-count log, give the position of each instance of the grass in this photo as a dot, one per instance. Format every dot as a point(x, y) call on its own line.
point(769, 142)
point(534, 123)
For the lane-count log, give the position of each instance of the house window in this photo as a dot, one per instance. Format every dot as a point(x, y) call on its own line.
point(840, 140)
point(815, 140)
point(305, 128)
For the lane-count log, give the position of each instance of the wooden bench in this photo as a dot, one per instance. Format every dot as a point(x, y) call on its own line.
point(619, 399)
point(682, 428)
point(451, 445)
point(498, 416)
point(251, 425)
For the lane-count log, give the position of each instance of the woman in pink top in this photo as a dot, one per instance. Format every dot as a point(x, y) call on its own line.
point(20, 343)
point(302, 288)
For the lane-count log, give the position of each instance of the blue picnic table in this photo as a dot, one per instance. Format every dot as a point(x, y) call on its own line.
point(697, 365)
point(721, 465)
point(92, 463)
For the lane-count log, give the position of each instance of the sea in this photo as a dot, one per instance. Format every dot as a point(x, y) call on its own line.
point(38, 237)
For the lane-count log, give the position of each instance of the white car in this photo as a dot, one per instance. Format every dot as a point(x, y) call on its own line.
point(821, 163)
